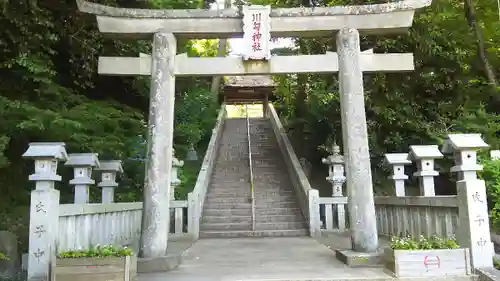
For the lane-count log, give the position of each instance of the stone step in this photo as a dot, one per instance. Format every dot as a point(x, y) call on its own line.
point(244, 199)
point(220, 193)
point(281, 225)
point(268, 189)
point(264, 233)
point(278, 218)
point(225, 226)
point(260, 205)
point(259, 219)
point(207, 211)
point(235, 205)
point(258, 212)
point(227, 219)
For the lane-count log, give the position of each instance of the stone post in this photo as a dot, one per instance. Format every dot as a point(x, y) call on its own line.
point(314, 219)
point(474, 224)
point(175, 181)
point(425, 155)
point(357, 155)
point(44, 209)
point(398, 162)
point(82, 164)
point(154, 232)
point(336, 177)
point(108, 183)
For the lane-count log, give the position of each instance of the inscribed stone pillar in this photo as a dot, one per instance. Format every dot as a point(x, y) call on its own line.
point(155, 215)
point(44, 209)
point(356, 151)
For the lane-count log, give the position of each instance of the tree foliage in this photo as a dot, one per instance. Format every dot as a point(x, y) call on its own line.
point(449, 91)
point(50, 91)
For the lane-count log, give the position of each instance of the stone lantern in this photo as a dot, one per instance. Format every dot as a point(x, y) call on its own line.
point(82, 164)
point(175, 181)
point(424, 155)
point(191, 154)
point(464, 148)
point(398, 162)
point(108, 183)
point(336, 176)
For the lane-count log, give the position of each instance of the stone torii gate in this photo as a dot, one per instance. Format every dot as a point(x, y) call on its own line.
point(165, 64)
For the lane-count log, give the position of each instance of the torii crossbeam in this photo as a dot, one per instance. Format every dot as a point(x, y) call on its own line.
point(394, 17)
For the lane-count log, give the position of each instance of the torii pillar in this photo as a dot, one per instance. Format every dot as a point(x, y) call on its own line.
point(363, 223)
point(156, 213)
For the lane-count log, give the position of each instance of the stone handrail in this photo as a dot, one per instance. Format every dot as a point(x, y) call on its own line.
point(82, 226)
point(416, 215)
point(334, 219)
point(196, 198)
point(303, 190)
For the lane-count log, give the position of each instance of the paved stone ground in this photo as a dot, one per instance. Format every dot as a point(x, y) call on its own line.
point(269, 259)
point(294, 258)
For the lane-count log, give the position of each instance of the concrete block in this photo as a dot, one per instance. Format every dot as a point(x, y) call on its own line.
point(159, 264)
point(356, 259)
point(427, 263)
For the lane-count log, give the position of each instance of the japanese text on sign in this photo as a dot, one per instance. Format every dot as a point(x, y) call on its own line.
point(256, 36)
point(256, 29)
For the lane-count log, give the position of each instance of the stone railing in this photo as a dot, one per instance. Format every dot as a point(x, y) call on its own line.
point(416, 215)
point(332, 217)
point(308, 197)
point(196, 198)
point(85, 225)
point(411, 215)
point(82, 226)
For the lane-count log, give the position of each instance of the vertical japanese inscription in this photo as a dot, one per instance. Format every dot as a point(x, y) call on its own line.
point(38, 254)
point(256, 32)
point(479, 219)
point(40, 207)
point(257, 35)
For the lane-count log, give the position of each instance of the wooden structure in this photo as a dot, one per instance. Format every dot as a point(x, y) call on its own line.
point(247, 89)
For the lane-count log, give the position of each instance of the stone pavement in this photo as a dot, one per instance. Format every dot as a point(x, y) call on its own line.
point(273, 258)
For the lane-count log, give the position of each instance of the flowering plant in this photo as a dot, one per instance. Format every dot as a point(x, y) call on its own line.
point(3, 257)
point(423, 243)
point(97, 251)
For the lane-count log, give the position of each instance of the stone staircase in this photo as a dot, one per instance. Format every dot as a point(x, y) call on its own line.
point(228, 209)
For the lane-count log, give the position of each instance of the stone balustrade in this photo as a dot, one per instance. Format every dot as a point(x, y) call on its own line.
point(334, 218)
point(85, 225)
point(308, 197)
point(415, 215)
point(412, 215)
point(196, 198)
